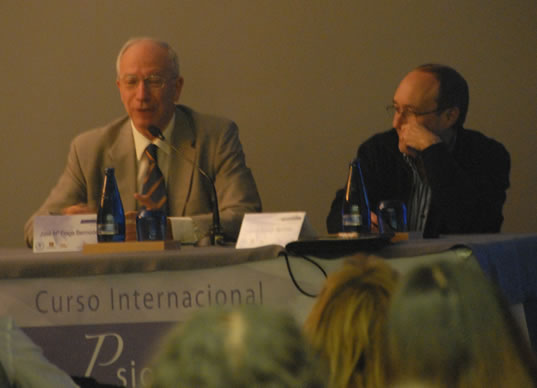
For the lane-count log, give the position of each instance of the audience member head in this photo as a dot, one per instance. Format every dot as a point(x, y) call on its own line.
point(448, 326)
point(346, 322)
point(249, 346)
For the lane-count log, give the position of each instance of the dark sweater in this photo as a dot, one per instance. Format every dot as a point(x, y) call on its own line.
point(468, 185)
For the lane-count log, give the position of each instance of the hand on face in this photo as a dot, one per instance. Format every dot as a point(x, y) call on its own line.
point(415, 137)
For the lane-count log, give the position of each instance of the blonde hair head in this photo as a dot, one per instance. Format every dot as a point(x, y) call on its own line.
point(346, 323)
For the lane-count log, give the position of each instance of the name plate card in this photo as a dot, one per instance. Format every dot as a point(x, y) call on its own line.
point(64, 233)
point(260, 229)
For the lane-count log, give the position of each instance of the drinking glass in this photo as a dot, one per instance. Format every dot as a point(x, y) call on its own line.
point(151, 225)
point(392, 216)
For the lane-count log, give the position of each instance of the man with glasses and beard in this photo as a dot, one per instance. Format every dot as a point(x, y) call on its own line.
point(453, 180)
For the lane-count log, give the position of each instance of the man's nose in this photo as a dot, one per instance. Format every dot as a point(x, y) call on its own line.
point(398, 119)
point(142, 91)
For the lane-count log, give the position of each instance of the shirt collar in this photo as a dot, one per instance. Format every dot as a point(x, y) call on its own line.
point(141, 142)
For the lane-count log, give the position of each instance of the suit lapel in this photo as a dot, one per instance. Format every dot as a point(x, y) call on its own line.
point(181, 167)
point(123, 158)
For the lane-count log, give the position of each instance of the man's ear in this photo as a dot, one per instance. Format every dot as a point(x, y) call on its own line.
point(179, 82)
point(451, 116)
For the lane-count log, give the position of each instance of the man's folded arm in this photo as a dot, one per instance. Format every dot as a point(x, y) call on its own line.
point(470, 198)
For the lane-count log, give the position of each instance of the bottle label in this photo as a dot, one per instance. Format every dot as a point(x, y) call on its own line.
point(107, 229)
point(352, 219)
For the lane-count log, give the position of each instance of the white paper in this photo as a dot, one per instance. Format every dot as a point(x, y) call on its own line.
point(64, 233)
point(183, 230)
point(259, 229)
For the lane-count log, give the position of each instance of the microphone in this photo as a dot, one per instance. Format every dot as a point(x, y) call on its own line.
point(216, 232)
point(156, 132)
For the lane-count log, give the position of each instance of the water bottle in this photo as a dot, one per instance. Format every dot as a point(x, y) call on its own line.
point(356, 217)
point(110, 217)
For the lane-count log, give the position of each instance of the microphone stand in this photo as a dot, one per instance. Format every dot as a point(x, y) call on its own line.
point(216, 232)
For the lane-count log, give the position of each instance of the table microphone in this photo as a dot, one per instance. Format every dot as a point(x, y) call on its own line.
point(216, 233)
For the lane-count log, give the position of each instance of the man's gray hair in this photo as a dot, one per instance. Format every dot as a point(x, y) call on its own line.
point(241, 347)
point(172, 55)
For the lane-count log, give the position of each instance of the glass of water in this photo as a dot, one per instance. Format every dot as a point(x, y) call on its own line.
point(392, 216)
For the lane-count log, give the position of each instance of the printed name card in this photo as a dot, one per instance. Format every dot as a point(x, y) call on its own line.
point(64, 233)
point(259, 229)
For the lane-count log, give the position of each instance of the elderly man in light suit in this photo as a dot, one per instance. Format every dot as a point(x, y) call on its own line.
point(150, 84)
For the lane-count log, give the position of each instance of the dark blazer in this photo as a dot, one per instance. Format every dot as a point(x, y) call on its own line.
point(468, 185)
point(211, 142)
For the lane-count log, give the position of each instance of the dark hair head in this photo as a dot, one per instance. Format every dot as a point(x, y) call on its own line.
point(453, 89)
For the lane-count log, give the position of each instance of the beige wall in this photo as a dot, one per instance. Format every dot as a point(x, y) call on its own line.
point(306, 81)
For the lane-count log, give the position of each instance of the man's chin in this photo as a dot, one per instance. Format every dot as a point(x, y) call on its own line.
point(142, 127)
point(143, 116)
point(143, 122)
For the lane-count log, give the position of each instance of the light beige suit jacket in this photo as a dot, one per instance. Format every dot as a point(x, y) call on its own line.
point(212, 143)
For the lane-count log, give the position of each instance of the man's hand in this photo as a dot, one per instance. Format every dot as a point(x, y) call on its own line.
point(80, 208)
point(414, 137)
point(145, 201)
point(374, 223)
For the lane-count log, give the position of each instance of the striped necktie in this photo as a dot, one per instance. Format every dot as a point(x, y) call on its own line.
point(154, 184)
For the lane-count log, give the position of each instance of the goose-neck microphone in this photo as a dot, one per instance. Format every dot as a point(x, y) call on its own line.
point(216, 232)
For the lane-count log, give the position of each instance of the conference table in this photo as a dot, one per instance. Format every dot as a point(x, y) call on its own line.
point(104, 314)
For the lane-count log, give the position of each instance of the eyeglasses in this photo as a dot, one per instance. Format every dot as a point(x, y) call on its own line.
point(405, 112)
point(153, 81)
